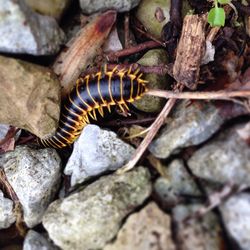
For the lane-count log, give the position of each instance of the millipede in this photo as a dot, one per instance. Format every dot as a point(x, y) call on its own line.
point(94, 93)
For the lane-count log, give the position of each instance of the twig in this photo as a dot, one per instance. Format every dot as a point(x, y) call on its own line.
point(113, 56)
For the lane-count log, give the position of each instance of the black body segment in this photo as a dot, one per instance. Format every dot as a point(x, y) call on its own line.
point(93, 93)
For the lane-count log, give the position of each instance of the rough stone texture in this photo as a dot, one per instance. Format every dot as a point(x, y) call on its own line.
point(149, 229)
point(175, 183)
point(236, 218)
point(199, 234)
point(35, 176)
point(153, 57)
point(53, 8)
point(146, 15)
point(24, 31)
point(190, 125)
point(7, 216)
point(224, 159)
point(90, 218)
point(36, 241)
point(96, 151)
point(91, 6)
point(29, 97)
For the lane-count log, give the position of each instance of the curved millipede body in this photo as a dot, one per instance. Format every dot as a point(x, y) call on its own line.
point(93, 93)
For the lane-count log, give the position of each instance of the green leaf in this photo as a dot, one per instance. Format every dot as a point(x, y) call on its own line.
point(224, 1)
point(216, 17)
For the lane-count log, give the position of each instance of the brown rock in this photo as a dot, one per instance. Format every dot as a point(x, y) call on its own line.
point(29, 97)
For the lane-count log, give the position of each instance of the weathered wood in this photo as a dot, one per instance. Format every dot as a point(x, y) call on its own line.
point(190, 51)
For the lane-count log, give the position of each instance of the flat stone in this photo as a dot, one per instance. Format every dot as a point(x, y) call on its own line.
point(90, 218)
point(7, 216)
point(36, 241)
point(29, 97)
point(149, 229)
point(24, 31)
point(224, 159)
point(236, 217)
point(96, 151)
point(35, 176)
point(91, 6)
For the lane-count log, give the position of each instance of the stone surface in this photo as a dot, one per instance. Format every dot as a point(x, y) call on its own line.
point(113, 42)
point(189, 125)
point(29, 97)
point(153, 57)
point(3, 130)
point(91, 6)
point(90, 218)
point(176, 183)
point(149, 229)
point(24, 31)
point(236, 217)
point(96, 151)
point(53, 8)
point(36, 241)
point(224, 159)
point(200, 234)
point(35, 176)
point(7, 216)
point(146, 14)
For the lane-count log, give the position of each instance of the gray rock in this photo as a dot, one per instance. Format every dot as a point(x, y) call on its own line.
point(149, 229)
point(91, 6)
point(7, 216)
point(34, 175)
point(190, 125)
point(224, 159)
point(96, 151)
point(236, 217)
point(90, 218)
point(24, 31)
point(3, 130)
point(153, 57)
point(36, 241)
point(175, 183)
point(199, 234)
point(29, 96)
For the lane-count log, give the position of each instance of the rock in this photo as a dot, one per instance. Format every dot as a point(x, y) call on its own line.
point(146, 230)
point(175, 183)
point(224, 159)
point(7, 216)
point(198, 234)
point(90, 218)
point(236, 217)
point(36, 241)
point(146, 14)
point(29, 97)
point(54, 8)
point(3, 130)
point(35, 176)
point(31, 33)
point(153, 57)
point(96, 151)
point(91, 6)
point(190, 125)
point(113, 42)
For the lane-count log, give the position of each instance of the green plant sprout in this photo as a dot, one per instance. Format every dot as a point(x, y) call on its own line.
point(216, 16)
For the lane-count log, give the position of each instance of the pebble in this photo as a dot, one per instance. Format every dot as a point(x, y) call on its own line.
point(92, 6)
point(36, 241)
point(153, 57)
point(175, 184)
point(3, 130)
point(190, 124)
point(236, 218)
point(198, 234)
point(24, 31)
point(149, 229)
point(90, 218)
point(34, 176)
point(96, 151)
point(224, 159)
point(29, 96)
point(7, 216)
